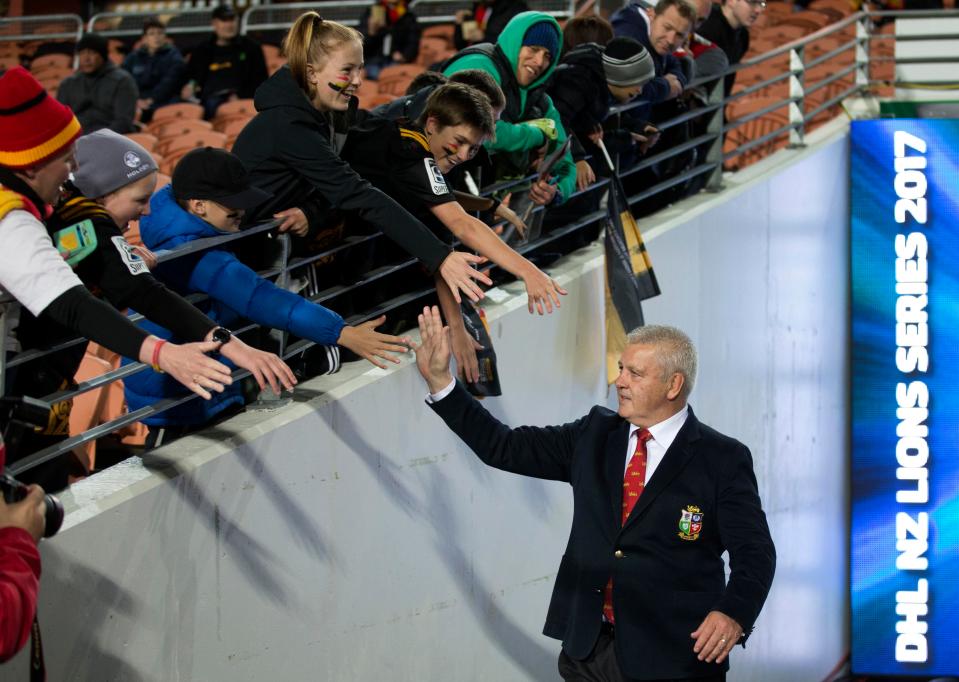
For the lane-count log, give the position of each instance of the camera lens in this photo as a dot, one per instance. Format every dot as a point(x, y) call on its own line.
point(53, 515)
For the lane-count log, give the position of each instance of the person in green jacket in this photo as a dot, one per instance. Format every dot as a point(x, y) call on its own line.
point(522, 60)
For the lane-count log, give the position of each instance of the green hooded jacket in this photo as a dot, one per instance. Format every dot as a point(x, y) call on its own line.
point(519, 138)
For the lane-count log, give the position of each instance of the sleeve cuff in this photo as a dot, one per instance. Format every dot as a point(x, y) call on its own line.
point(436, 397)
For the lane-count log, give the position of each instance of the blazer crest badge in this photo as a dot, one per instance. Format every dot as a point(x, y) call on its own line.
point(690, 523)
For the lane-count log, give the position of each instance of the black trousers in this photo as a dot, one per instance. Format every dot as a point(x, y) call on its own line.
point(601, 664)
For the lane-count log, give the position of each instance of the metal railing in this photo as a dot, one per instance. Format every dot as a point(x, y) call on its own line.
point(130, 24)
point(280, 17)
point(803, 101)
point(40, 27)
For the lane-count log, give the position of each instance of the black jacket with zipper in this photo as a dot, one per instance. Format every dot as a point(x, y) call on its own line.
point(290, 151)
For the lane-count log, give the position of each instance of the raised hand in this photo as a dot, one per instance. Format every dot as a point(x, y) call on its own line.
point(266, 368)
point(542, 291)
point(369, 344)
point(433, 353)
point(189, 364)
point(458, 272)
point(464, 351)
point(293, 220)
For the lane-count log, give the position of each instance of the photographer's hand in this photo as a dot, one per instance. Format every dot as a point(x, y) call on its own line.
point(28, 513)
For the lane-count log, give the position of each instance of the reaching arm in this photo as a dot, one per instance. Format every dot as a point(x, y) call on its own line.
point(541, 452)
point(541, 289)
point(221, 275)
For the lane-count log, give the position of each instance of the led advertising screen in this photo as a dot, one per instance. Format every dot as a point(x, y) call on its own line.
point(904, 526)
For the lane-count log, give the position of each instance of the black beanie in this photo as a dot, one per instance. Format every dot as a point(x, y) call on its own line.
point(95, 42)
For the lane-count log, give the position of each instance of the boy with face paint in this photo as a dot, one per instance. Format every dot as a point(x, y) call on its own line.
point(408, 160)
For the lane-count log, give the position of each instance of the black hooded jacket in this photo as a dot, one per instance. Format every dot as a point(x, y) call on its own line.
point(289, 150)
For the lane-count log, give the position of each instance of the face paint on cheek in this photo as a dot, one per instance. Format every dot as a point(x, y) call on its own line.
point(341, 84)
point(451, 150)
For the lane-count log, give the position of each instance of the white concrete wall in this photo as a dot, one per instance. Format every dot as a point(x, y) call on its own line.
point(349, 536)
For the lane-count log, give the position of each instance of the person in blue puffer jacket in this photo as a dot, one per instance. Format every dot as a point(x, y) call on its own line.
point(208, 197)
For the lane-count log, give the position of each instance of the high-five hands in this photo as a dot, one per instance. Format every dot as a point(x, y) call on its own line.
point(715, 637)
point(433, 353)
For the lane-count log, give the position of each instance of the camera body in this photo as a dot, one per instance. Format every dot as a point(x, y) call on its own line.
point(29, 412)
point(15, 491)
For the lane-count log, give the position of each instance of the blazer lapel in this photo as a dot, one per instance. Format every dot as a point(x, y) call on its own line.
point(615, 467)
point(674, 461)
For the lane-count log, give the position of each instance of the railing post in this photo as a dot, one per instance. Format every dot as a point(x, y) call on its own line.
point(862, 52)
point(283, 279)
point(797, 108)
point(716, 96)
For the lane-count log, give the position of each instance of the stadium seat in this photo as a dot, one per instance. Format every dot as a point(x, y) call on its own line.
point(396, 78)
point(171, 127)
point(62, 61)
point(444, 31)
point(87, 407)
point(754, 129)
point(145, 140)
point(433, 50)
point(185, 110)
point(187, 141)
point(231, 127)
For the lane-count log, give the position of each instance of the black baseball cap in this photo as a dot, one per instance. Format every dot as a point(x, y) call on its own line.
point(217, 175)
point(224, 12)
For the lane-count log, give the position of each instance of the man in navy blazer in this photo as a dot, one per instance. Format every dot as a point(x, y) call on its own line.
point(670, 612)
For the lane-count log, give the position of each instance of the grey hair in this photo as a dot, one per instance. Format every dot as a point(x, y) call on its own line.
point(674, 350)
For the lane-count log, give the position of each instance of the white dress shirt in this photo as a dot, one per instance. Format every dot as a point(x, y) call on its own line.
point(663, 434)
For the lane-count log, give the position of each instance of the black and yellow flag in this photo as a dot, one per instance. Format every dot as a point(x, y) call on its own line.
point(629, 276)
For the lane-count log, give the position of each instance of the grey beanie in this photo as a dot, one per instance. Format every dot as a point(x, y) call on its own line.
point(626, 62)
point(107, 161)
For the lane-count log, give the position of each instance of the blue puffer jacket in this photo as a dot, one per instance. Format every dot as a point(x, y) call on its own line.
point(236, 292)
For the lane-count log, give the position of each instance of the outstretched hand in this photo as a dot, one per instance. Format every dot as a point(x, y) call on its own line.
point(433, 353)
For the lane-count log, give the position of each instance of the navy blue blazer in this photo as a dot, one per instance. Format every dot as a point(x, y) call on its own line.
point(666, 562)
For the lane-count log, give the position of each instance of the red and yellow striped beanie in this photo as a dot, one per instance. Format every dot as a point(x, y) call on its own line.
point(34, 127)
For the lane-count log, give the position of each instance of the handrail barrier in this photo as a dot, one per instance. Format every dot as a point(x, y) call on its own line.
point(130, 24)
point(846, 77)
point(40, 27)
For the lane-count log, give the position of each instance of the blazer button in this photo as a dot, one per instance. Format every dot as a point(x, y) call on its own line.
point(618, 554)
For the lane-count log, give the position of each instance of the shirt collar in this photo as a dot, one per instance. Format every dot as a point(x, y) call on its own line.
point(664, 433)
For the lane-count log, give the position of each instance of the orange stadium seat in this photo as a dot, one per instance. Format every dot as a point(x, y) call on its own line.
point(62, 61)
point(172, 127)
point(444, 31)
point(145, 140)
point(754, 129)
point(199, 138)
point(88, 407)
point(184, 110)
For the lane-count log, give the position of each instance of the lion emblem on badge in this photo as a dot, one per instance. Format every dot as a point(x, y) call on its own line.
point(690, 523)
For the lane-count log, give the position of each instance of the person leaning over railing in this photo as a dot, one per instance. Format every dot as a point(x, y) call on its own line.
point(36, 156)
point(589, 80)
point(209, 194)
point(408, 160)
point(291, 150)
point(522, 61)
point(111, 186)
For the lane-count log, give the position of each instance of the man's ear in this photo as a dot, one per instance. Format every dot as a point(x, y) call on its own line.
point(197, 206)
point(432, 125)
point(674, 386)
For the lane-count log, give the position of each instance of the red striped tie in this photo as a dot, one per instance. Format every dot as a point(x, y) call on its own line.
point(633, 483)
